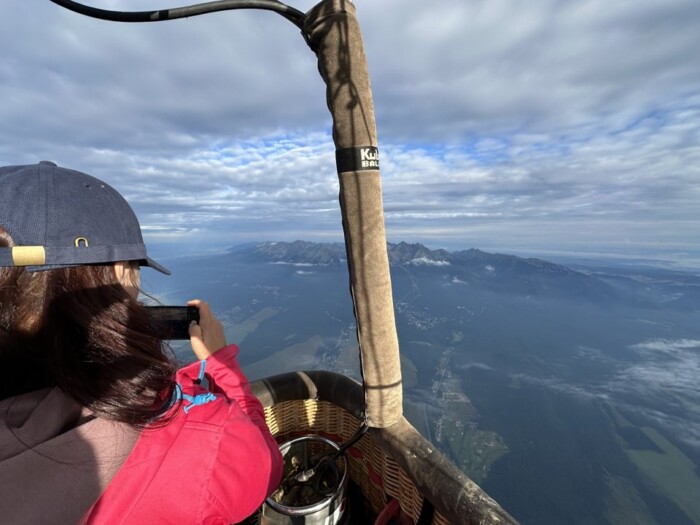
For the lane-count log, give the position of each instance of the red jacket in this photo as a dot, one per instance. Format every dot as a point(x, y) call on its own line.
point(214, 463)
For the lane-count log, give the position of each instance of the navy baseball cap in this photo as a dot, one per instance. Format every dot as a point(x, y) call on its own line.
point(59, 217)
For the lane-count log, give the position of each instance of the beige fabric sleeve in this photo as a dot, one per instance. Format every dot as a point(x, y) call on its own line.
point(332, 31)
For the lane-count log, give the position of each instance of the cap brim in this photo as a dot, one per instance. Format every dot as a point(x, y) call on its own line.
point(152, 264)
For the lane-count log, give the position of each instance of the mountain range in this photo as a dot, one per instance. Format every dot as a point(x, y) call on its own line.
point(473, 267)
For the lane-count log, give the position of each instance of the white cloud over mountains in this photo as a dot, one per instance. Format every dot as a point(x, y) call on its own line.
point(524, 127)
point(668, 367)
point(668, 370)
point(658, 381)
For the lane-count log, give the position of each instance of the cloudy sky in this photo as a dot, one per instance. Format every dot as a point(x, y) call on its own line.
point(542, 127)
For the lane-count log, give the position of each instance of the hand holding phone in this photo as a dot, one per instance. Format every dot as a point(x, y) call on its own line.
point(207, 337)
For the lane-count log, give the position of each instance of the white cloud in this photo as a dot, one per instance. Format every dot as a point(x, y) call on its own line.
point(424, 261)
point(669, 366)
point(668, 346)
point(294, 264)
point(659, 382)
point(547, 126)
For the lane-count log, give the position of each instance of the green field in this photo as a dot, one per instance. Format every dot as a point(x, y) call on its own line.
point(671, 471)
point(666, 468)
point(239, 331)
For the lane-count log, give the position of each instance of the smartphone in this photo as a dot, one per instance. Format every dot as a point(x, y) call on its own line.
point(173, 322)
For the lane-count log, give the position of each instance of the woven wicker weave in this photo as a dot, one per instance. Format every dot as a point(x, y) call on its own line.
point(378, 476)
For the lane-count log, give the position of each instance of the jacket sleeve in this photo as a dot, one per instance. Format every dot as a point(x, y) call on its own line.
point(248, 466)
point(226, 377)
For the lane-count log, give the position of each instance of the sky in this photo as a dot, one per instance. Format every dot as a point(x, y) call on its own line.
point(546, 128)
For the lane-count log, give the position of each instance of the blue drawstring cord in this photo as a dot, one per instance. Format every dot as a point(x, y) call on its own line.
point(201, 380)
point(199, 399)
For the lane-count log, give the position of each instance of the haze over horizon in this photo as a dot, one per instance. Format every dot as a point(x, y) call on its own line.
point(541, 128)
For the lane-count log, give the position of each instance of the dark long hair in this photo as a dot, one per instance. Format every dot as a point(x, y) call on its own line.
point(79, 329)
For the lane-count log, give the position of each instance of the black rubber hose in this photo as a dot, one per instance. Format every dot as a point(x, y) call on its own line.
point(293, 15)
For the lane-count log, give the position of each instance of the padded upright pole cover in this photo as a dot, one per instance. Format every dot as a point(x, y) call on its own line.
point(333, 33)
